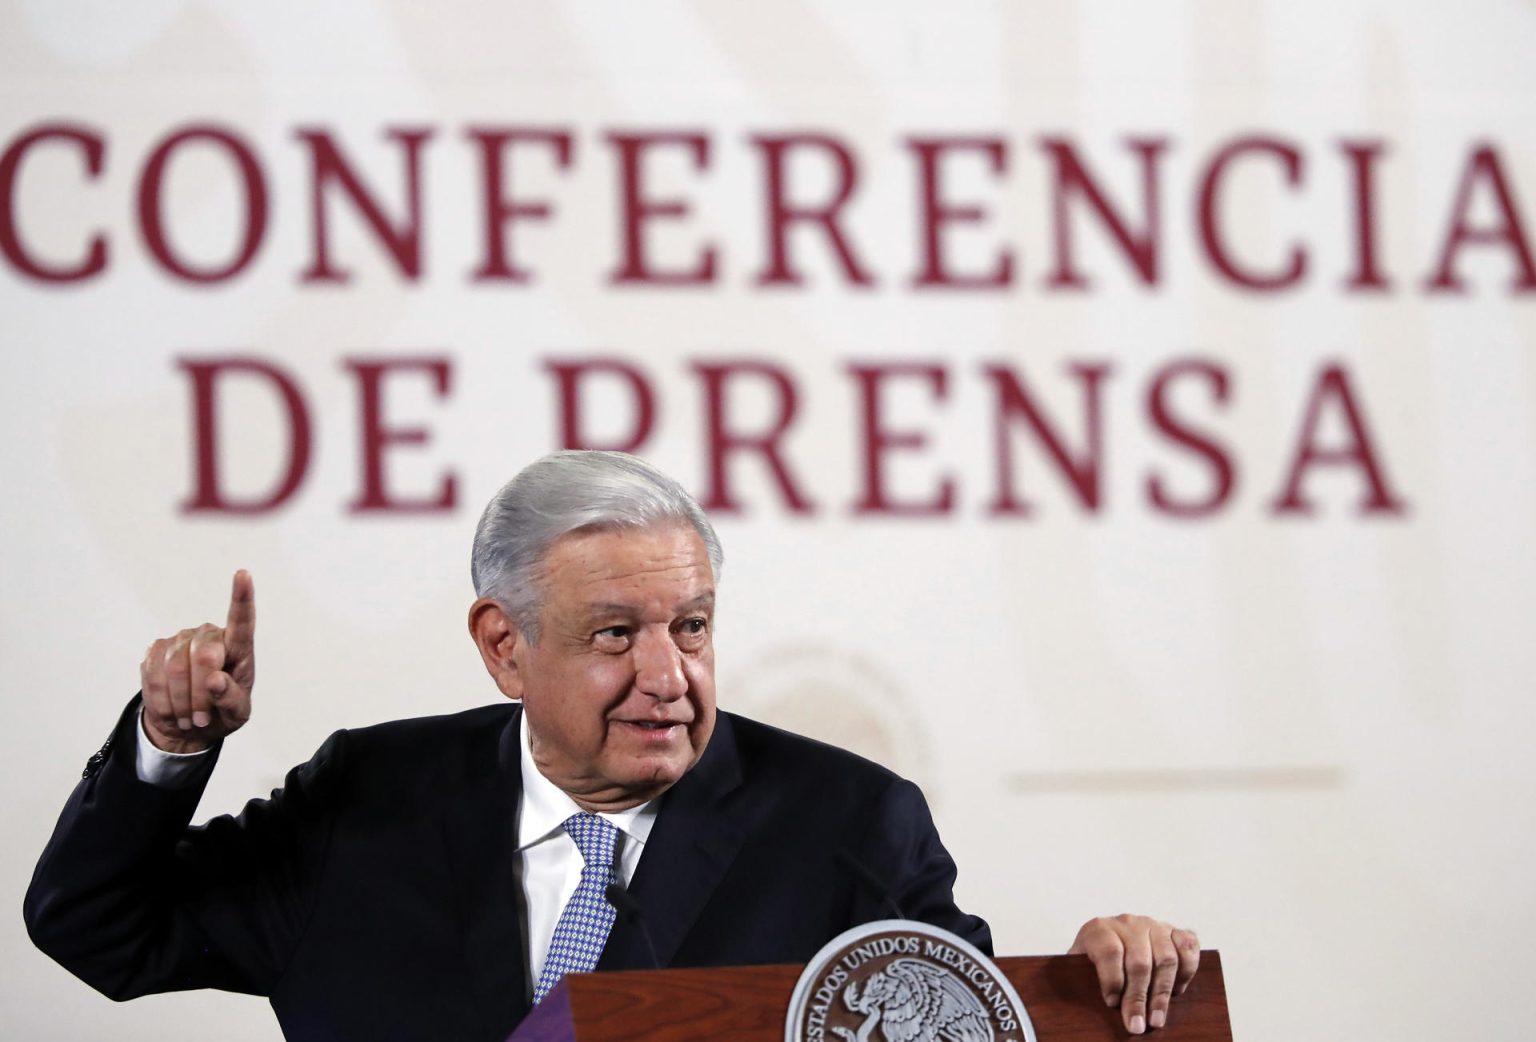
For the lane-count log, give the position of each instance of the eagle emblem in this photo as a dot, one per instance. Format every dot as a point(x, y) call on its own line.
point(897, 980)
point(914, 1001)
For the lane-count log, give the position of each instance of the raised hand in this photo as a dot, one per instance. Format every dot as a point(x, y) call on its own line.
point(1141, 964)
point(197, 684)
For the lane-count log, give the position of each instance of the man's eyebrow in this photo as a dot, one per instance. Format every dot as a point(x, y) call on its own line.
point(702, 601)
point(611, 608)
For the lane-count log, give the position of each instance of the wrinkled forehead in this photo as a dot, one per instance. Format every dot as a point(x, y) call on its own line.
point(667, 561)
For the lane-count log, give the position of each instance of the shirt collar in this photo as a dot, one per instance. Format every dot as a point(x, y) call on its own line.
point(544, 806)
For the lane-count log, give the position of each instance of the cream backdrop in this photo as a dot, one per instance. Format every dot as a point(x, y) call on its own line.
point(1305, 736)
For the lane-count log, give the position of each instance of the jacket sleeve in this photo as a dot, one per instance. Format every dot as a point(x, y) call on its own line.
point(903, 845)
point(132, 901)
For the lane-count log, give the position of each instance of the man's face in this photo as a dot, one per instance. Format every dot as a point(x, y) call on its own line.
point(620, 688)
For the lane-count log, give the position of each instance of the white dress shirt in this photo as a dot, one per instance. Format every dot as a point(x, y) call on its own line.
point(548, 861)
point(163, 769)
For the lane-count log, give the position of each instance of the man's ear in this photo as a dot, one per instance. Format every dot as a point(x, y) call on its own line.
point(498, 639)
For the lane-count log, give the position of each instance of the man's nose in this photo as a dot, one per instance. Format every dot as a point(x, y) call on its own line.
point(659, 667)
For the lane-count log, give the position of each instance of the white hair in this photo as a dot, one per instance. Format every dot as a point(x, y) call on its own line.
point(573, 491)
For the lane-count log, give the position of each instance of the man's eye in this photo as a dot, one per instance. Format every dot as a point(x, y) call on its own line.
point(694, 626)
point(612, 634)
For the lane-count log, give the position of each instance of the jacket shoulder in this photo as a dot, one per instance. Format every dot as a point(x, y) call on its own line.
point(384, 761)
point(418, 733)
point(801, 761)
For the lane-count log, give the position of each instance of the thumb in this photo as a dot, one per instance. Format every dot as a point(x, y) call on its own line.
point(232, 700)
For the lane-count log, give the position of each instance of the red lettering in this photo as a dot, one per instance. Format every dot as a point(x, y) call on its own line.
point(570, 375)
point(1507, 230)
point(782, 213)
point(1332, 387)
point(722, 443)
point(1082, 471)
point(376, 437)
point(1362, 162)
point(93, 149)
point(1072, 178)
point(878, 441)
point(254, 209)
point(937, 214)
point(1202, 445)
point(501, 209)
point(208, 495)
point(637, 210)
point(402, 240)
point(1210, 223)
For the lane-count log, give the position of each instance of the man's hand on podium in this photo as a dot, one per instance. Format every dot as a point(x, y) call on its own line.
point(1141, 963)
point(197, 684)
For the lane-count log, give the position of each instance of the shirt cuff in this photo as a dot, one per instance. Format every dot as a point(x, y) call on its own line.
point(167, 770)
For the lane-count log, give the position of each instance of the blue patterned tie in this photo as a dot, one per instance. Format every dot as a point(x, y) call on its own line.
point(583, 927)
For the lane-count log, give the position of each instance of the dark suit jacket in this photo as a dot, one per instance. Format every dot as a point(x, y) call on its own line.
point(374, 896)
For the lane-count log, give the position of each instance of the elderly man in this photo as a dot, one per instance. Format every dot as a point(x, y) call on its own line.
point(433, 878)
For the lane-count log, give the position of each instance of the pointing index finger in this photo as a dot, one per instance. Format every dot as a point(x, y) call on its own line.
point(240, 628)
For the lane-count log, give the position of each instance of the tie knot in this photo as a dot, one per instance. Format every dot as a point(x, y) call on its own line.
point(594, 837)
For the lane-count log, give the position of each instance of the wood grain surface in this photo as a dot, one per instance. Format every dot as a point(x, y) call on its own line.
point(749, 1004)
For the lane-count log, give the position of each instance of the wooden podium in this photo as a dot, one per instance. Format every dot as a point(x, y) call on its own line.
point(749, 1004)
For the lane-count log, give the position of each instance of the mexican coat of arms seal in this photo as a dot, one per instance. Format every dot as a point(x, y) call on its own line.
point(901, 981)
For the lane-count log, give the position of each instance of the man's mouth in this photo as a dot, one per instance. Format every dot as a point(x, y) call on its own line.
point(654, 727)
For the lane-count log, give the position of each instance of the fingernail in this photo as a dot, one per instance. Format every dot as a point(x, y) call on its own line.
point(1111, 1001)
point(200, 719)
point(1138, 1024)
point(1158, 1018)
point(183, 723)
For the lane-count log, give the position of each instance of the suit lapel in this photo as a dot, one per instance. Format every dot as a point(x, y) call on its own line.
point(694, 841)
point(478, 826)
